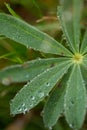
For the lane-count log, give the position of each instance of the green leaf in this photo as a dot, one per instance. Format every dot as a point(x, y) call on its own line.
point(70, 22)
point(84, 70)
point(35, 91)
point(54, 107)
point(12, 11)
point(55, 104)
point(84, 44)
point(75, 99)
point(29, 36)
point(28, 70)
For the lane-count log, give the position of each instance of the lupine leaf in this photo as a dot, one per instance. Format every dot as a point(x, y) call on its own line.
point(55, 104)
point(75, 99)
point(70, 22)
point(66, 27)
point(29, 36)
point(28, 70)
point(84, 70)
point(77, 8)
point(84, 73)
point(84, 44)
point(12, 11)
point(33, 92)
point(54, 107)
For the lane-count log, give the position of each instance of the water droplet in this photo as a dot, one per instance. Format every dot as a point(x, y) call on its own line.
point(27, 76)
point(6, 81)
point(41, 94)
point(48, 84)
point(72, 102)
point(20, 109)
point(23, 104)
point(32, 98)
point(52, 65)
point(39, 58)
point(47, 69)
point(31, 105)
point(47, 94)
point(66, 72)
point(42, 113)
point(70, 125)
point(25, 110)
point(50, 128)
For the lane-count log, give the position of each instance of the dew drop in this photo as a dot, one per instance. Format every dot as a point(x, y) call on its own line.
point(32, 98)
point(27, 76)
point(20, 109)
point(42, 113)
point(23, 104)
point(25, 110)
point(47, 69)
point(31, 105)
point(72, 102)
point(50, 128)
point(48, 84)
point(70, 125)
point(41, 94)
point(6, 81)
point(52, 65)
point(66, 72)
point(47, 94)
point(39, 58)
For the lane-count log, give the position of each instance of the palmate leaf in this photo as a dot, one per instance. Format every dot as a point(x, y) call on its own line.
point(75, 99)
point(54, 107)
point(28, 70)
point(33, 92)
point(29, 36)
point(84, 73)
point(12, 11)
point(70, 22)
point(84, 70)
point(84, 44)
point(55, 104)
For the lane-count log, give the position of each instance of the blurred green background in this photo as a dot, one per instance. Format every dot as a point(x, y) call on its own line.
point(42, 15)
